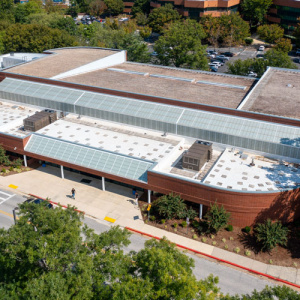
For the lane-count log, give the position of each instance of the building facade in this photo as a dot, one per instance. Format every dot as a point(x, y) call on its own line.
point(285, 12)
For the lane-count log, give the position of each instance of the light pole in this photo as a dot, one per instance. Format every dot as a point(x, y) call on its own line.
point(14, 213)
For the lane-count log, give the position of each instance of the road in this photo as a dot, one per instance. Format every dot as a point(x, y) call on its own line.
point(231, 281)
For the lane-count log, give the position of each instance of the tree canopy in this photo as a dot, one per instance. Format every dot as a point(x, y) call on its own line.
point(270, 33)
point(180, 45)
point(49, 254)
point(114, 7)
point(255, 10)
point(161, 16)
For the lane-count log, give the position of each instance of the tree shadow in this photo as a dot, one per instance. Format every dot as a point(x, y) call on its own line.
point(249, 242)
point(291, 142)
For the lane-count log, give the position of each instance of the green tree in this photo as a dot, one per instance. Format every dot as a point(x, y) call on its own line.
point(270, 234)
point(141, 19)
point(234, 30)
point(73, 9)
point(35, 38)
point(255, 10)
point(270, 33)
point(283, 45)
point(4, 159)
point(6, 10)
point(23, 10)
point(180, 45)
point(170, 207)
point(240, 67)
point(97, 7)
point(140, 7)
point(49, 254)
point(161, 16)
point(279, 59)
point(216, 218)
point(114, 7)
point(212, 28)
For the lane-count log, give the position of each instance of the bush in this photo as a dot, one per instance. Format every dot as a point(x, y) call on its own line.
point(195, 224)
point(247, 229)
point(224, 240)
point(195, 237)
point(163, 221)
point(191, 214)
point(175, 225)
point(248, 41)
point(17, 163)
point(231, 238)
point(247, 252)
point(229, 228)
point(170, 207)
point(214, 243)
point(216, 218)
point(183, 224)
point(3, 170)
point(270, 234)
point(212, 236)
point(152, 218)
point(226, 247)
point(11, 168)
point(204, 239)
point(237, 250)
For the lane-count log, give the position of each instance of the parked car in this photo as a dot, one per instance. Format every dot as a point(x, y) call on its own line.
point(39, 201)
point(260, 56)
point(154, 53)
point(212, 52)
point(215, 64)
point(228, 54)
point(252, 74)
point(213, 68)
point(298, 52)
point(297, 60)
point(261, 48)
point(211, 55)
point(221, 62)
point(223, 57)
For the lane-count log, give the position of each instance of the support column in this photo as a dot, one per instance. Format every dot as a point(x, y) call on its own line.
point(62, 172)
point(149, 196)
point(200, 211)
point(25, 160)
point(103, 183)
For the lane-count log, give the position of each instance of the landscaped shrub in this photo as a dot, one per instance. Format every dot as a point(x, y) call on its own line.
point(248, 41)
point(247, 229)
point(237, 250)
point(214, 243)
point(226, 247)
point(247, 252)
point(216, 218)
point(231, 238)
point(212, 236)
point(3, 170)
point(195, 224)
point(183, 224)
point(170, 207)
point(270, 234)
point(229, 228)
point(204, 239)
point(175, 225)
point(17, 163)
point(152, 218)
point(163, 221)
point(4, 159)
point(191, 214)
point(195, 237)
point(11, 168)
point(223, 240)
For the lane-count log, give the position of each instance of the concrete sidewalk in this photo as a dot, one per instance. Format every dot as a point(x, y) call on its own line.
point(117, 203)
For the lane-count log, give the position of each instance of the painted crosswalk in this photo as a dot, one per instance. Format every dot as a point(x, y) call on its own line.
point(5, 196)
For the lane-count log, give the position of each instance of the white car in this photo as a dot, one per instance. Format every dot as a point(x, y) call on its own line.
point(215, 64)
point(261, 48)
point(252, 74)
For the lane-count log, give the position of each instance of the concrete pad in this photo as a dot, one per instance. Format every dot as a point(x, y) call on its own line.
point(274, 270)
point(288, 274)
point(298, 277)
point(259, 266)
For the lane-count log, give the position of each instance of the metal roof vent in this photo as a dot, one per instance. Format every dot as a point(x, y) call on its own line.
point(289, 85)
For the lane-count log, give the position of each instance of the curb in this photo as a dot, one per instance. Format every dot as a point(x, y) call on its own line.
point(220, 260)
point(52, 202)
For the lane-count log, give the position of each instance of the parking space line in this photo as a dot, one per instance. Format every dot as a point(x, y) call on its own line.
point(4, 199)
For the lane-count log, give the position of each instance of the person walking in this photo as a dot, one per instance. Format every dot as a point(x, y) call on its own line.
point(136, 198)
point(73, 193)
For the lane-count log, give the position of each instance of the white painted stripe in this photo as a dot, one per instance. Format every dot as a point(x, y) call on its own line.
point(4, 199)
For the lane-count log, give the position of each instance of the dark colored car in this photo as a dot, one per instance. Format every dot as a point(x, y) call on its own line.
point(38, 201)
point(213, 68)
point(228, 54)
point(297, 60)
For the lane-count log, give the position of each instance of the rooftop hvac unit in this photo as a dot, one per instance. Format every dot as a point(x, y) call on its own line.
point(197, 155)
point(39, 120)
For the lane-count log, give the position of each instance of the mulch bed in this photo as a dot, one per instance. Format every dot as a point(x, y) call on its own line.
point(281, 256)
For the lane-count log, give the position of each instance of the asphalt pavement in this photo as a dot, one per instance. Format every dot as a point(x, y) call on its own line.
point(231, 281)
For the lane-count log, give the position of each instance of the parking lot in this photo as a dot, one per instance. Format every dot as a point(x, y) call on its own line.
point(245, 53)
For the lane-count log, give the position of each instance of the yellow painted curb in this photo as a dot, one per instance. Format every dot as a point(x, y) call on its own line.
point(13, 186)
point(110, 219)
